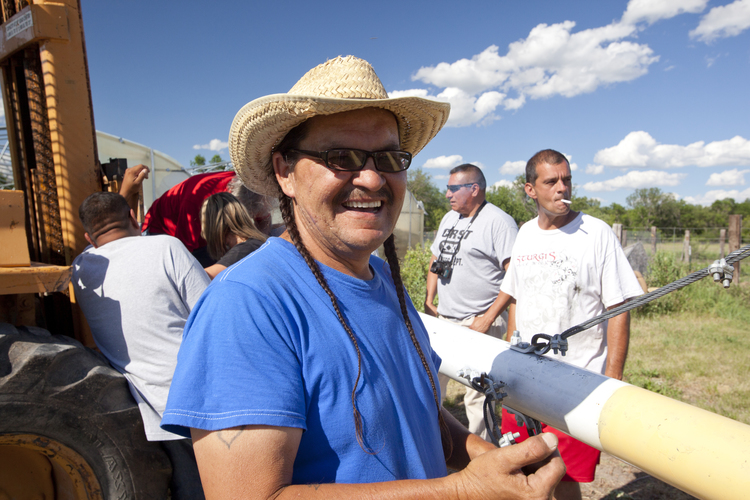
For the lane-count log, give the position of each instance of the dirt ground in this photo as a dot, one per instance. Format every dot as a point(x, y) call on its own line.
point(615, 480)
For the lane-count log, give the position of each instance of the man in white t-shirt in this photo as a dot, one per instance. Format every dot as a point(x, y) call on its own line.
point(137, 293)
point(470, 254)
point(566, 268)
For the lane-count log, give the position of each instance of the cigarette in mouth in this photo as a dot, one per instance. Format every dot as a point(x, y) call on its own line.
point(567, 202)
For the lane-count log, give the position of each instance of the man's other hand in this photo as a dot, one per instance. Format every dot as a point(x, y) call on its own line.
point(133, 178)
point(498, 474)
point(430, 309)
point(481, 323)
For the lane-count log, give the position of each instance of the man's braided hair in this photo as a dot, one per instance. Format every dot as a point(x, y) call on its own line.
point(291, 141)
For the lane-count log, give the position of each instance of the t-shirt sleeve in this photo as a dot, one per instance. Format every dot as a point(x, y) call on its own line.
point(619, 282)
point(505, 237)
point(509, 282)
point(238, 365)
point(190, 278)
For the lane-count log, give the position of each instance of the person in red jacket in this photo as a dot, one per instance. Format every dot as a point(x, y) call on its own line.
point(177, 212)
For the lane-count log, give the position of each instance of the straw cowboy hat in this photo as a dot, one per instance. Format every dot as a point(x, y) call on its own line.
point(342, 84)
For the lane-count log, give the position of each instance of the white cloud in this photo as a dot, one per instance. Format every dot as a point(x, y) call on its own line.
point(719, 194)
point(502, 183)
point(636, 179)
point(639, 149)
point(723, 21)
point(513, 168)
point(573, 166)
point(213, 145)
point(466, 109)
point(650, 11)
point(595, 169)
point(444, 162)
point(732, 177)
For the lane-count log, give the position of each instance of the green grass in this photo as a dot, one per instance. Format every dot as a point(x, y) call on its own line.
point(701, 359)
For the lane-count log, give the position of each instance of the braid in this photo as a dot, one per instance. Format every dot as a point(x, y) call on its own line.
point(390, 253)
point(287, 212)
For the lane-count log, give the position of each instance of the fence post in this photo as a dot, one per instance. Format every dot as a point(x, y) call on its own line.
point(722, 238)
point(624, 238)
point(617, 228)
point(653, 239)
point(735, 232)
point(686, 247)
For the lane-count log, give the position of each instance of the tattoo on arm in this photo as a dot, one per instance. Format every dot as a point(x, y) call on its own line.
point(228, 436)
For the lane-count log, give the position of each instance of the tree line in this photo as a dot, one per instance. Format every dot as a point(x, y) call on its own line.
point(644, 208)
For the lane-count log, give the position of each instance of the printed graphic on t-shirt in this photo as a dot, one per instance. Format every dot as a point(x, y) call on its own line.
point(550, 288)
point(450, 246)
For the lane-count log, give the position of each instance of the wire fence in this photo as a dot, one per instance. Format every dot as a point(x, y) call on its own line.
point(705, 242)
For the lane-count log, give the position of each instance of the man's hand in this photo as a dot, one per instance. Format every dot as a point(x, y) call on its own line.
point(429, 302)
point(481, 323)
point(497, 473)
point(131, 184)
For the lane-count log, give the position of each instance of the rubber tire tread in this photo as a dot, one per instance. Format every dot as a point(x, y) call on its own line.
point(53, 386)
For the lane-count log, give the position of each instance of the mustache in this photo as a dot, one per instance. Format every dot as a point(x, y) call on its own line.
point(357, 194)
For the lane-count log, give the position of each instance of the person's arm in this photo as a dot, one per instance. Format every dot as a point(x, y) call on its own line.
point(214, 270)
point(511, 318)
point(131, 184)
point(429, 302)
point(256, 462)
point(483, 322)
point(618, 338)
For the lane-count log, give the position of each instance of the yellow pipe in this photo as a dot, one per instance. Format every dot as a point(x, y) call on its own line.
point(658, 434)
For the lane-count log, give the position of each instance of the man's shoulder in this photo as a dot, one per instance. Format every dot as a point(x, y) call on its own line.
point(591, 222)
point(498, 214)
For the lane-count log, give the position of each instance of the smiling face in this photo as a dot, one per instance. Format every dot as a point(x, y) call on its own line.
point(343, 216)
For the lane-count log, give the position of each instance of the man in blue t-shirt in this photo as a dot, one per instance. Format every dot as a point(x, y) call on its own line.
point(304, 369)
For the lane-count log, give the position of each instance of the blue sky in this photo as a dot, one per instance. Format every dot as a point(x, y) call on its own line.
point(646, 93)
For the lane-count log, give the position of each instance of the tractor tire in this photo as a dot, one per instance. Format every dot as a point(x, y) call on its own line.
point(64, 404)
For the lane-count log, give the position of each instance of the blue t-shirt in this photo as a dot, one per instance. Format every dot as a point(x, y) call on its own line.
point(263, 346)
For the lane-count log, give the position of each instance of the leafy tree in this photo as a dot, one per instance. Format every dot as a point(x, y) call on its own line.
point(653, 207)
point(198, 161)
point(435, 204)
point(511, 202)
point(216, 159)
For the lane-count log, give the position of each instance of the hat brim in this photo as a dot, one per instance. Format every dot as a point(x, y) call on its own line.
point(261, 124)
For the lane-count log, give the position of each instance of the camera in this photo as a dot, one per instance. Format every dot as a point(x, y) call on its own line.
point(441, 268)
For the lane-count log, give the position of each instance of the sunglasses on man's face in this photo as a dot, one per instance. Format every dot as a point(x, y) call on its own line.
point(352, 160)
point(455, 187)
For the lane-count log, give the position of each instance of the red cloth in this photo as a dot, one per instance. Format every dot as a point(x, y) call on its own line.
point(178, 211)
point(580, 459)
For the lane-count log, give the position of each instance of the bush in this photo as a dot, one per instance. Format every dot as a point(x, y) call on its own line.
point(414, 273)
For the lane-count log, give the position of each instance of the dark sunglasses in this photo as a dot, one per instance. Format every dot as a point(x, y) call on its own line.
point(455, 187)
point(352, 160)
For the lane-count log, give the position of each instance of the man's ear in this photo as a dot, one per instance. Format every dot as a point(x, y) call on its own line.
point(530, 191)
point(284, 174)
point(90, 240)
point(134, 221)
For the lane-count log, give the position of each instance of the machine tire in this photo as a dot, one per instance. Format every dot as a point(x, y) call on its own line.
point(54, 388)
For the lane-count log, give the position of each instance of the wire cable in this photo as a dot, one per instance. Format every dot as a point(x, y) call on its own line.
point(541, 343)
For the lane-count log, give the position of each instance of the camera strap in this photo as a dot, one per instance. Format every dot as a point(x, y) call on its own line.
point(458, 246)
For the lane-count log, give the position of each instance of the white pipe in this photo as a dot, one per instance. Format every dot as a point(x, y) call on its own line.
point(702, 453)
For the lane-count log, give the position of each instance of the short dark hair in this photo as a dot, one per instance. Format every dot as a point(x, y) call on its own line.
point(548, 156)
point(102, 212)
point(468, 167)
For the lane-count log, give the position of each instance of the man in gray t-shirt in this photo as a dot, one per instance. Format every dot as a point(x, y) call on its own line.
point(470, 254)
point(137, 293)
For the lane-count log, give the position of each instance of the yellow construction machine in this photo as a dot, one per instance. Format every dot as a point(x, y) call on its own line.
point(69, 427)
